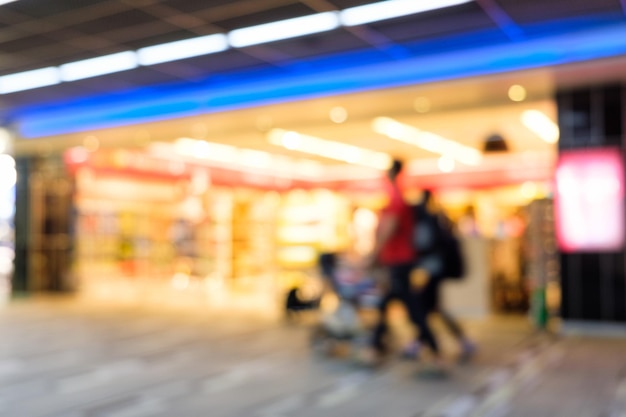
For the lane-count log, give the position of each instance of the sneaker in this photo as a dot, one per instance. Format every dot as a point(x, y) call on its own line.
point(468, 351)
point(411, 352)
point(369, 358)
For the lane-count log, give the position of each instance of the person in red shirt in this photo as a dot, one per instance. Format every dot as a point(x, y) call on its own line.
point(394, 250)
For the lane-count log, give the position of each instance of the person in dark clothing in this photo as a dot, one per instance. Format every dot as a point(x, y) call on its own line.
point(394, 250)
point(432, 233)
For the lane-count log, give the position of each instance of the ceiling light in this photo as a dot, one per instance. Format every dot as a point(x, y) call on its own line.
point(238, 158)
point(254, 158)
point(329, 149)
point(187, 48)
point(206, 150)
point(338, 114)
point(284, 29)
point(517, 93)
point(392, 8)
point(541, 125)
point(6, 2)
point(446, 164)
point(291, 140)
point(29, 79)
point(99, 66)
point(427, 141)
point(269, 32)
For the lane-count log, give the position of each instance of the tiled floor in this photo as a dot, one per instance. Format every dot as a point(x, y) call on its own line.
point(70, 359)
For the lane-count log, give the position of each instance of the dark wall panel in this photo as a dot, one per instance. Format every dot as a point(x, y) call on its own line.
point(22, 232)
point(593, 284)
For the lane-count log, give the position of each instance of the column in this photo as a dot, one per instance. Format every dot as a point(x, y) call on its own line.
point(592, 281)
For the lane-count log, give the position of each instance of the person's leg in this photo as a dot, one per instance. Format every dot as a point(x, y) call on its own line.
point(468, 348)
point(452, 325)
point(390, 292)
point(381, 328)
point(420, 318)
point(417, 308)
point(417, 302)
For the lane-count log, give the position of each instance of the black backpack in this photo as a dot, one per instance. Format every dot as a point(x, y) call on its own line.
point(452, 253)
point(433, 235)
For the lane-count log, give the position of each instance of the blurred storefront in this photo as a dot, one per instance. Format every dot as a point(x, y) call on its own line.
point(164, 163)
point(158, 225)
point(197, 220)
point(235, 207)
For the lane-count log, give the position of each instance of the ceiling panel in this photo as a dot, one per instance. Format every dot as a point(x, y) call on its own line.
point(172, 34)
point(465, 18)
point(523, 12)
point(191, 6)
point(133, 36)
point(225, 62)
point(19, 45)
point(39, 33)
point(273, 14)
point(118, 21)
point(45, 8)
point(345, 4)
point(336, 41)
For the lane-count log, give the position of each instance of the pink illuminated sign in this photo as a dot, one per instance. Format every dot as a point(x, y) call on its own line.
point(589, 200)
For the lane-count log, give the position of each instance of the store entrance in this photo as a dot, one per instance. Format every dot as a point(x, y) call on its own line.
point(510, 230)
point(43, 226)
point(178, 230)
point(173, 229)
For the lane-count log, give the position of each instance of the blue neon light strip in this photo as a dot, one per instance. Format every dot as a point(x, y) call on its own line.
point(366, 70)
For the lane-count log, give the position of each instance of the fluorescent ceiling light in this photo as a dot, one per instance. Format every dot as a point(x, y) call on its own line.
point(540, 124)
point(206, 150)
point(99, 66)
point(427, 141)
point(187, 48)
point(392, 8)
point(29, 79)
point(329, 149)
point(269, 32)
point(247, 158)
point(284, 29)
point(446, 164)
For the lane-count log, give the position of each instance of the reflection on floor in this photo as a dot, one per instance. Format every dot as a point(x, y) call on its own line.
point(71, 359)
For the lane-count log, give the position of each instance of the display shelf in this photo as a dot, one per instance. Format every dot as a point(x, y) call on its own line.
point(252, 238)
point(163, 230)
point(144, 233)
point(311, 222)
